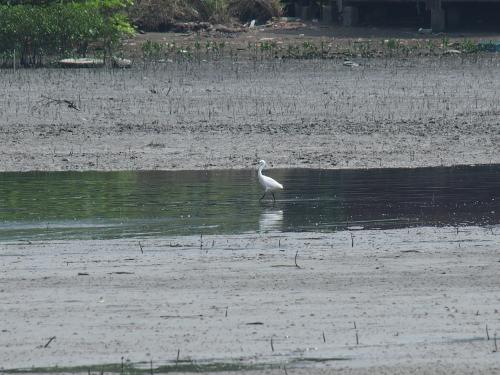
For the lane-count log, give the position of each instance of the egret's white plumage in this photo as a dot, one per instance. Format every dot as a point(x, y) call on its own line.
point(267, 183)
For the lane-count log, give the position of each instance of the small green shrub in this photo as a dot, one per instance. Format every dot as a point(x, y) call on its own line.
point(469, 46)
point(36, 31)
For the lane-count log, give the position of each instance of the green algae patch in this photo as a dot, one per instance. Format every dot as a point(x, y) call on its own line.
point(180, 366)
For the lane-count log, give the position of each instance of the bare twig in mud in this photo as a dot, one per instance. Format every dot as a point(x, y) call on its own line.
point(272, 346)
point(284, 368)
point(324, 338)
point(296, 255)
point(151, 367)
point(226, 311)
point(354, 325)
point(487, 333)
point(121, 372)
point(178, 354)
point(48, 342)
point(352, 239)
point(140, 246)
point(201, 241)
point(357, 338)
point(495, 340)
point(50, 100)
point(168, 92)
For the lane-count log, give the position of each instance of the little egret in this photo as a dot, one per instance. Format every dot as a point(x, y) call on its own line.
point(267, 182)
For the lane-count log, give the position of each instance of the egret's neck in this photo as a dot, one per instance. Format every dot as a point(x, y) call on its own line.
point(260, 170)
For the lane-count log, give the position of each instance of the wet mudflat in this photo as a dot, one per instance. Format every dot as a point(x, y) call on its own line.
point(410, 112)
point(266, 287)
point(390, 301)
point(116, 268)
point(100, 205)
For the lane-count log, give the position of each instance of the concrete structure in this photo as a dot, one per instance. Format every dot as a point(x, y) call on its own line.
point(350, 14)
point(443, 14)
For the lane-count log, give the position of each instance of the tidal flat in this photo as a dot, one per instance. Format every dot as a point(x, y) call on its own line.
point(390, 301)
point(178, 115)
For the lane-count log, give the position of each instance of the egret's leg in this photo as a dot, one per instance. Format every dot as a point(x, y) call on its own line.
point(274, 198)
point(263, 195)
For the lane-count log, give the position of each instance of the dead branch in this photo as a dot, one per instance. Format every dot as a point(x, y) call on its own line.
point(48, 342)
point(49, 101)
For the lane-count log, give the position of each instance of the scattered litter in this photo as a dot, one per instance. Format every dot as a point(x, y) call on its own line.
point(490, 46)
point(424, 31)
point(355, 227)
point(121, 63)
point(182, 27)
point(228, 30)
point(252, 24)
point(81, 63)
point(350, 63)
point(286, 25)
point(452, 52)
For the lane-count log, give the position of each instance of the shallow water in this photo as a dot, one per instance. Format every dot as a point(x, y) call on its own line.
point(57, 205)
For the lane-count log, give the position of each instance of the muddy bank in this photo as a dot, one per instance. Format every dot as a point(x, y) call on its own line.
point(222, 114)
point(389, 300)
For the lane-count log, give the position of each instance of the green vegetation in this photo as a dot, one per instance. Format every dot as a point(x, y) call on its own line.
point(32, 32)
point(468, 46)
point(209, 49)
point(141, 368)
point(128, 368)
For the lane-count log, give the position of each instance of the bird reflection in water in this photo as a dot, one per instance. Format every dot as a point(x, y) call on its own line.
point(270, 220)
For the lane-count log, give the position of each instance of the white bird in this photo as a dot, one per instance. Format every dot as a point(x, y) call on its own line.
point(267, 183)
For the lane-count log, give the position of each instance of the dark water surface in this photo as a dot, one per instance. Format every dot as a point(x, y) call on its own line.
point(56, 205)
